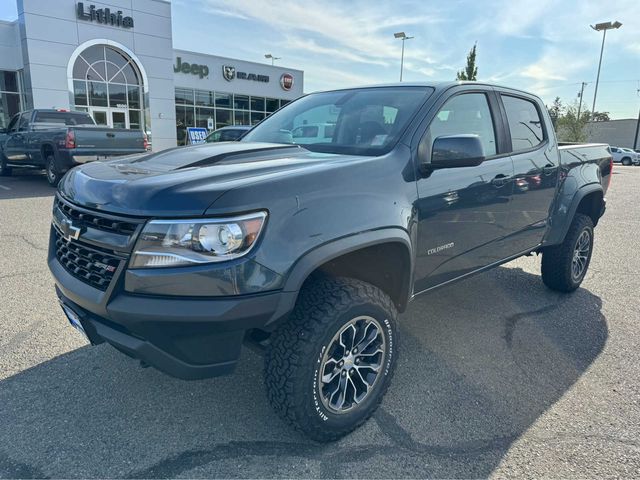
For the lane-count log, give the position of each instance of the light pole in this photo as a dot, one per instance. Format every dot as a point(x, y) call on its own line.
point(273, 59)
point(602, 27)
point(580, 95)
point(402, 36)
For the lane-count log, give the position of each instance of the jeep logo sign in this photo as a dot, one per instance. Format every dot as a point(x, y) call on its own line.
point(192, 68)
point(286, 81)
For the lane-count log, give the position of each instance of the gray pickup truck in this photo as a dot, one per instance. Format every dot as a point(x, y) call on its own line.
point(308, 247)
point(58, 140)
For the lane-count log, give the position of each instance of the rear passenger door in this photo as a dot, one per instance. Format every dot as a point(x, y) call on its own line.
point(536, 166)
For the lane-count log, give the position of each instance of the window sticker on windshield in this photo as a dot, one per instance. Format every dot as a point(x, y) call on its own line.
point(378, 140)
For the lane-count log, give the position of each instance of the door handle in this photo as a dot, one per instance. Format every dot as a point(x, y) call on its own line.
point(500, 180)
point(111, 135)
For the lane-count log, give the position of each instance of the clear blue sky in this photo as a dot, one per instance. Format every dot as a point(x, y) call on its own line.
point(545, 46)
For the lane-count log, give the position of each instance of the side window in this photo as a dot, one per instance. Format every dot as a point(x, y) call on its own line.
point(13, 124)
point(24, 122)
point(524, 121)
point(465, 114)
point(214, 137)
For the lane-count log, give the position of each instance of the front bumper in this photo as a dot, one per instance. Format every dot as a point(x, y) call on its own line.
point(188, 338)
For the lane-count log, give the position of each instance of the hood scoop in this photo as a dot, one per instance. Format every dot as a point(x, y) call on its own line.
point(248, 156)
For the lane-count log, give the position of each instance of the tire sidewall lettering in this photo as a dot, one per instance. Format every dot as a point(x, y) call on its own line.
point(318, 406)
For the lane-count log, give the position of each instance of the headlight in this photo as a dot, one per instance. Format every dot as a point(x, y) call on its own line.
point(174, 243)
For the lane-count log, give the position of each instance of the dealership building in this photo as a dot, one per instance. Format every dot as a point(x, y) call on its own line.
point(116, 60)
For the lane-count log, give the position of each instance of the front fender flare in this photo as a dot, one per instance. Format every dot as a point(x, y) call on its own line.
point(311, 260)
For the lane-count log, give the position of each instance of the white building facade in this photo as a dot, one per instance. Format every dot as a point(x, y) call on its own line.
point(116, 61)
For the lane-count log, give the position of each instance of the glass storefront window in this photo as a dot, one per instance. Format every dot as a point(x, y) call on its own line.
point(283, 102)
point(241, 118)
point(98, 94)
point(80, 92)
point(223, 100)
point(134, 119)
point(257, 103)
point(9, 106)
point(184, 119)
point(204, 98)
point(184, 96)
point(105, 77)
point(241, 102)
point(272, 105)
point(256, 117)
point(195, 107)
point(134, 96)
point(223, 117)
point(117, 95)
point(9, 81)
point(203, 115)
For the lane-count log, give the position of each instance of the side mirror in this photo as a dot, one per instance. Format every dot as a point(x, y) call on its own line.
point(451, 151)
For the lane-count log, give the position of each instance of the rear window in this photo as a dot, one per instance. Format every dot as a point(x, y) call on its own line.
point(64, 118)
point(524, 123)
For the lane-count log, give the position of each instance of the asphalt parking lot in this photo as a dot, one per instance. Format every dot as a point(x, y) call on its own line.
point(497, 376)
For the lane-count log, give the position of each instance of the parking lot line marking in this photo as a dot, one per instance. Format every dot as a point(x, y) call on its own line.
point(5, 188)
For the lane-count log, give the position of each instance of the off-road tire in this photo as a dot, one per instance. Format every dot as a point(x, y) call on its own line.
point(557, 260)
point(5, 171)
point(626, 161)
point(293, 358)
point(51, 169)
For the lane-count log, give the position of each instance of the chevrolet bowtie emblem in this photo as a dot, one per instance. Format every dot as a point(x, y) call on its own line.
point(69, 231)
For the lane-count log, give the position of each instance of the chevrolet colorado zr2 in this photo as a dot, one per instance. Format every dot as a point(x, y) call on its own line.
point(309, 251)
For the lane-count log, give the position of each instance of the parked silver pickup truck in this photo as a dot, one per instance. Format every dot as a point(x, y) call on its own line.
point(58, 140)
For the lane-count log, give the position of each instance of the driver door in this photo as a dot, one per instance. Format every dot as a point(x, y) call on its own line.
point(15, 148)
point(463, 211)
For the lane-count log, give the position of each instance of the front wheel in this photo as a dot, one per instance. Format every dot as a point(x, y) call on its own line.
point(329, 365)
point(626, 161)
point(52, 171)
point(564, 266)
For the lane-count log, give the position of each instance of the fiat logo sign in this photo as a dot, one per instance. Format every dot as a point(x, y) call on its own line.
point(286, 81)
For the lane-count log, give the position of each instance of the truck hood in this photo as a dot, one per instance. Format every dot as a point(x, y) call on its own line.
point(184, 181)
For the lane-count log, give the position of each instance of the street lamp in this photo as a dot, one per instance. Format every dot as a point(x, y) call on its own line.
point(273, 59)
point(602, 27)
point(402, 36)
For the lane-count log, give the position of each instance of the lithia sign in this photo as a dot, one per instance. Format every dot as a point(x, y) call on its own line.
point(103, 16)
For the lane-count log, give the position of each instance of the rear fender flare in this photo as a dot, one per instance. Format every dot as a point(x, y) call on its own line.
point(563, 215)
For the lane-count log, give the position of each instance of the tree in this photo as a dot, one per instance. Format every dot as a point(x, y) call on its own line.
point(471, 71)
point(555, 111)
point(570, 128)
point(600, 117)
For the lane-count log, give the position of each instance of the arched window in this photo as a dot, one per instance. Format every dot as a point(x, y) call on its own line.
point(108, 84)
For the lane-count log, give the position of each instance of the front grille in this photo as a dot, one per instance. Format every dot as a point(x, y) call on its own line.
point(86, 219)
point(91, 265)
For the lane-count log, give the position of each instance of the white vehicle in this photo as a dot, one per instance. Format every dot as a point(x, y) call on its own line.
point(313, 133)
point(625, 156)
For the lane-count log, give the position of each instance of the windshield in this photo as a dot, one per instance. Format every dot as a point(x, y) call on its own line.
point(366, 121)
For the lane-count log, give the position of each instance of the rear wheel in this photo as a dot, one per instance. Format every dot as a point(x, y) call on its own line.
point(626, 161)
point(328, 367)
point(52, 171)
point(5, 171)
point(564, 266)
